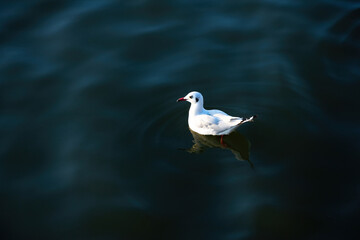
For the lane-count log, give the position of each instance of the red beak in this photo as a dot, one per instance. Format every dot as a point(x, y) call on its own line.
point(181, 99)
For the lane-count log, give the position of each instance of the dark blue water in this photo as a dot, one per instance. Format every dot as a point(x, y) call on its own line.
point(94, 146)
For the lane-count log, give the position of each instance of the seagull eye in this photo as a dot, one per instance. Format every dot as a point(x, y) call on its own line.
point(191, 97)
point(197, 99)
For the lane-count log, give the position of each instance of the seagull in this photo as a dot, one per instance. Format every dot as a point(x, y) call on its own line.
point(210, 122)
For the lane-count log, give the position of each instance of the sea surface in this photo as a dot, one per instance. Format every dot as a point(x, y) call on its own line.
point(94, 146)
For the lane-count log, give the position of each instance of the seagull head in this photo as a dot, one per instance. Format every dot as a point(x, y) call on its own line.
point(193, 98)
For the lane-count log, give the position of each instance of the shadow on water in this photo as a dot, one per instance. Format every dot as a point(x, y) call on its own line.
point(237, 143)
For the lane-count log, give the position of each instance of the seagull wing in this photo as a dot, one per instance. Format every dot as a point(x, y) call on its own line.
point(227, 119)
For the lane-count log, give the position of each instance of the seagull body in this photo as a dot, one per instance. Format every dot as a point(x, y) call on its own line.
point(210, 122)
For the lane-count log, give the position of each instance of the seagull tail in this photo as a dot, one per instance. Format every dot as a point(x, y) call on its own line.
point(250, 119)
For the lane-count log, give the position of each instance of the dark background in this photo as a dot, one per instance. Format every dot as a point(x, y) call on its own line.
point(90, 130)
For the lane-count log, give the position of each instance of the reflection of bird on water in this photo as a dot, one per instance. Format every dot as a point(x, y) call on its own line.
point(235, 142)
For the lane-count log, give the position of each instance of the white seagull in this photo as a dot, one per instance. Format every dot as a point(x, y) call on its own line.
point(210, 122)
